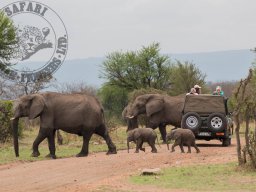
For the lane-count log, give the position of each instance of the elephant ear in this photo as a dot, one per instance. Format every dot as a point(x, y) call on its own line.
point(154, 105)
point(36, 107)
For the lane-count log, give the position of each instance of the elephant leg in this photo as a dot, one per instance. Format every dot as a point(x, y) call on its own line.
point(189, 149)
point(40, 137)
point(85, 148)
point(181, 148)
point(103, 132)
point(142, 149)
point(197, 149)
point(162, 129)
point(51, 144)
point(153, 147)
point(139, 143)
point(174, 145)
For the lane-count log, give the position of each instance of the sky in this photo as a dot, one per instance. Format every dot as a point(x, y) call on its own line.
point(98, 27)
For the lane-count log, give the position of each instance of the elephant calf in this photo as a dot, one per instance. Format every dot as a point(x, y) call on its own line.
point(181, 137)
point(140, 135)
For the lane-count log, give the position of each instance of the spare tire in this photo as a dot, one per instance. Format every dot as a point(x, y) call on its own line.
point(192, 121)
point(216, 122)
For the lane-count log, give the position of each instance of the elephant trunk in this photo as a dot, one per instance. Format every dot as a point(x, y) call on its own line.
point(14, 125)
point(128, 147)
point(167, 142)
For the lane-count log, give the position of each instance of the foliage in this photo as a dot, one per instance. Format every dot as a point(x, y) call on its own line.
point(137, 69)
point(184, 76)
point(8, 40)
point(5, 124)
point(113, 99)
point(220, 177)
point(78, 87)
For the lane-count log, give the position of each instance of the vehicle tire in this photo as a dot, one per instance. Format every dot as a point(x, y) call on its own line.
point(226, 142)
point(192, 121)
point(216, 122)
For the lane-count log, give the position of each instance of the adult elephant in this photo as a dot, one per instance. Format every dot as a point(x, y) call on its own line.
point(73, 113)
point(160, 110)
point(132, 123)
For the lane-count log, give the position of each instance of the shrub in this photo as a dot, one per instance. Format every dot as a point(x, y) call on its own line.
point(6, 113)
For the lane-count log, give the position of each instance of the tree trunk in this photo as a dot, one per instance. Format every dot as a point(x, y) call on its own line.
point(238, 148)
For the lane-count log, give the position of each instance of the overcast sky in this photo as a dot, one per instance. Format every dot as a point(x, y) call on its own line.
point(98, 27)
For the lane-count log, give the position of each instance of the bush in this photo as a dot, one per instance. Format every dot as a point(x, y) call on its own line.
point(6, 113)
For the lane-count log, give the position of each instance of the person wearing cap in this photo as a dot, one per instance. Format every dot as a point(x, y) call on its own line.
point(198, 89)
point(192, 92)
point(218, 91)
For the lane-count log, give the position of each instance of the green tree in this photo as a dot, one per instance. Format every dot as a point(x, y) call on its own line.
point(145, 68)
point(184, 76)
point(114, 99)
point(8, 40)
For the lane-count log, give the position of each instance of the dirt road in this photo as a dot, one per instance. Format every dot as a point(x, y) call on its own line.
point(96, 170)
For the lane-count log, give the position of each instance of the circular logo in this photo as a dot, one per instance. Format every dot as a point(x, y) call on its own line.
point(42, 41)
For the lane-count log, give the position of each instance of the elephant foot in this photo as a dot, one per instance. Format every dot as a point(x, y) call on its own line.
point(189, 152)
point(182, 152)
point(197, 151)
point(111, 152)
point(154, 151)
point(137, 151)
point(35, 154)
point(172, 151)
point(164, 142)
point(143, 149)
point(51, 156)
point(81, 154)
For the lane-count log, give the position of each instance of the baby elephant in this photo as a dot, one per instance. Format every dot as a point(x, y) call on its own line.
point(182, 137)
point(140, 135)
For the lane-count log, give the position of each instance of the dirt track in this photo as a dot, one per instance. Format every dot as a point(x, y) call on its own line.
point(96, 170)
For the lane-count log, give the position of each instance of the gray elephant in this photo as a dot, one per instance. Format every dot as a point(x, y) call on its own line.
point(132, 123)
point(73, 113)
point(161, 110)
point(140, 135)
point(182, 137)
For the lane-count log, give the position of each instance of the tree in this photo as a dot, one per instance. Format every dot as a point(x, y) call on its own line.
point(114, 99)
point(137, 69)
point(8, 41)
point(184, 76)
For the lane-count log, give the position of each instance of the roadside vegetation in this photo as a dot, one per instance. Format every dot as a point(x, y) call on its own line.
point(218, 177)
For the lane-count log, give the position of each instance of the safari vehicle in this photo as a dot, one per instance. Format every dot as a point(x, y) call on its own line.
point(208, 117)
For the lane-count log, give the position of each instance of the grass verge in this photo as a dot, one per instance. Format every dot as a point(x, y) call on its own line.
point(219, 177)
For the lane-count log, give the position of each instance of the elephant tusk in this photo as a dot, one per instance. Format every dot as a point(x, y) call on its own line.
point(12, 118)
point(130, 117)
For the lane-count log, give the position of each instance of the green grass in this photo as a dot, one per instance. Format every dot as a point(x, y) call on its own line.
point(72, 145)
point(220, 177)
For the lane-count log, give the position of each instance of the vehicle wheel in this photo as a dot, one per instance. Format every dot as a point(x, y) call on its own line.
point(226, 142)
point(216, 122)
point(191, 121)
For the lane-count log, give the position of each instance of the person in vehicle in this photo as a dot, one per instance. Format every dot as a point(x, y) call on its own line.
point(192, 92)
point(218, 91)
point(198, 89)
